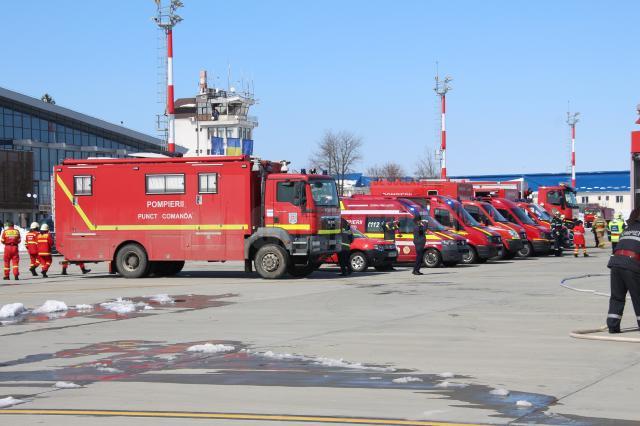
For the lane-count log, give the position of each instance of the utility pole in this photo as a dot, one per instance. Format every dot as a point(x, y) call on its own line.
point(572, 120)
point(166, 19)
point(441, 89)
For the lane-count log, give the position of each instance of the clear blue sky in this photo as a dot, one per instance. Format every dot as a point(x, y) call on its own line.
point(362, 66)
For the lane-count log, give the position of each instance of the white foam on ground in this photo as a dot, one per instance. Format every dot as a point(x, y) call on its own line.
point(446, 375)
point(11, 310)
point(109, 370)
point(523, 403)
point(499, 392)
point(148, 308)
point(447, 384)
point(83, 307)
point(51, 306)
point(209, 348)
point(9, 401)
point(329, 362)
point(163, 299)
point(120, 306)
point(66, 385)
point(407, 379)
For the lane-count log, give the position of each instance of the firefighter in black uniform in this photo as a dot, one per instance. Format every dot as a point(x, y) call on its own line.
point(625, 273)
point(346, 236)
point(419, 241)
point(557, 233)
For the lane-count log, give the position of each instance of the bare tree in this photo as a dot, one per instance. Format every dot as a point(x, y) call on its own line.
point(48, 99)
point(427, 166)
point(337, 153)
point(389, 170)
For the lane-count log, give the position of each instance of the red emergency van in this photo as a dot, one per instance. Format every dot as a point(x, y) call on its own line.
point(152, 214)
point(365, 252)
point(538, 237)
point(539, 215)
point(513, 235)
point(483, 242)
point(369, 214)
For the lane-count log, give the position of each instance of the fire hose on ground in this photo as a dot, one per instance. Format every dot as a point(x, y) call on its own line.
point(592, 333)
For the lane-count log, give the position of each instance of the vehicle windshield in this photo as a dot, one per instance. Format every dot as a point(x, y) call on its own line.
point(432, 224)
point(467, 219)
point(357, 234)
point(570, 198)
point(540, 212)
point(324, 192)
point(494, 213)
point(524, 217)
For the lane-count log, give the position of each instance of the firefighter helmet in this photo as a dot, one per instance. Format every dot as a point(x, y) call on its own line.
point(35, 225)
point(44, 227)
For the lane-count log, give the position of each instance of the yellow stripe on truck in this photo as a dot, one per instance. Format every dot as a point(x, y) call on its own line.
point(291, 227)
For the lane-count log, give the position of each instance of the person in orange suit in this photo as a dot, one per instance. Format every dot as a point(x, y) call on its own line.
point(10, 238)
point(31, 241)
point(45, 245)
point(579, 240)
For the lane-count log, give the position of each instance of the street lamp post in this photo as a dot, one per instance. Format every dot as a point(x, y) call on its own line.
point(34, 198)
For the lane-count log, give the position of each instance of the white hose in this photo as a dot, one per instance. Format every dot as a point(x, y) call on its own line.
point(589, 334)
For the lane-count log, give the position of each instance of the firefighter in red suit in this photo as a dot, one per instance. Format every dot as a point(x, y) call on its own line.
point(578, 239)
point(10, 238)
point(65, 264)
point(45, 245)
point(31, 241)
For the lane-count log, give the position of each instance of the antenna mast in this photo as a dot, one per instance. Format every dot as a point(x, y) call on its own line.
point(441, 89)
point(572, 120)
point(166, 19)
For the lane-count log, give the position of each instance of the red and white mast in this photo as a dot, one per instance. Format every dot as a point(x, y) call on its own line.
point(442, 87)
point(572, 120)
point(167, 19)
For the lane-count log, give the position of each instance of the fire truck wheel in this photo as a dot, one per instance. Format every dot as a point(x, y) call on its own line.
point(132, 261)
point(432, 258)
point(271, 261)
point(358, 261)
point(470, 257)
point(526, 250)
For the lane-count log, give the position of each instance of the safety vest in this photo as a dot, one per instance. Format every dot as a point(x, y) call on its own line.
point(31, 241)
point(615, 229)
point(10, 237)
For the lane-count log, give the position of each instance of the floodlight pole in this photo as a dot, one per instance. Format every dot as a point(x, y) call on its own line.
point(572, 120)
point(441, 89)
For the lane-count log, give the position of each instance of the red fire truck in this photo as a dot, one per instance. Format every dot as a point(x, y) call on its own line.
point(150, 215)
point(483, 242)
point(369, 214)
point(538, 238)
point(513, 235)
point(511, 190)
point(560, 198)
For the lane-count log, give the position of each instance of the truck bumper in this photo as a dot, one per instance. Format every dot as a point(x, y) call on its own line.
point(380, 257)
point(452, 253)
point(487, 252)
point(512, 246)
point(541, 246)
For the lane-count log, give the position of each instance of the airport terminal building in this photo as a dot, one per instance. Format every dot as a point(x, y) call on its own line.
point(36, 135)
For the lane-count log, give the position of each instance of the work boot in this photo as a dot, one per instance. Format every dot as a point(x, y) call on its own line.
point(417, 273)
point(614, 330)
point(17, 278)
point(44, 274)
point(6, 278)
point(33, 272)
point(575, 254)
point(64, 271)
point(585, 255)
point(86, 271)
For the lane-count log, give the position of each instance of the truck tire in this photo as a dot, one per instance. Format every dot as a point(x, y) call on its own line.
point(432, 258)
point(132, 261)
point(358, 261)
point(526, 250)
point(271, 261)
point(471, 256)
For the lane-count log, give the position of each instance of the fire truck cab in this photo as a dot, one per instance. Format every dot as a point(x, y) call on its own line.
point(436, 198)
point(150, 215)
point(561, 198)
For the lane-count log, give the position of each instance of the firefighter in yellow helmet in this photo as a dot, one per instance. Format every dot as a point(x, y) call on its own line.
point(615, 228)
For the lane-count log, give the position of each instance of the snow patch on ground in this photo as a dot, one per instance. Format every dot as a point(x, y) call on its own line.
point(109, 370)
point(51, 306)
point(120, 306)
point(447, 384)
point(407, 379)
point(500, 392)
point(148, 308)
point(9, 401)
point(523, 403)
point(11, 310)
point(83, 307)
point(446, 375)
point(209, 348)
point(163, 299)
point(375, 378)
point(328, 362)
point(66, 385)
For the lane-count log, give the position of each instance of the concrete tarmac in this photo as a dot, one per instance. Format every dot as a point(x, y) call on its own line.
point(372, 348)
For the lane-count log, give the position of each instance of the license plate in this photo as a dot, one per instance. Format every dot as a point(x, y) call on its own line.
point(392, 254)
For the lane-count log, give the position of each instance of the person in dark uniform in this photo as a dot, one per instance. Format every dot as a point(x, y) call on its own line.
point(557, 232)
point(625, 273)
point(419, 241)
point(390, 228)
point(346, 236)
